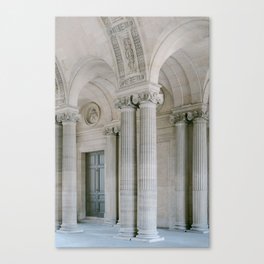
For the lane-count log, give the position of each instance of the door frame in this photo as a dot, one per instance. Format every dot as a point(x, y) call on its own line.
point(82, 149)
point(97, 166)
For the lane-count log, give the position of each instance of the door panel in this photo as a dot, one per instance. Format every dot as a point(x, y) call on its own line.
point(95, 198)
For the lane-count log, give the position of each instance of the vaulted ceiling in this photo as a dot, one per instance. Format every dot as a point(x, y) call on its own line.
point(98, 56)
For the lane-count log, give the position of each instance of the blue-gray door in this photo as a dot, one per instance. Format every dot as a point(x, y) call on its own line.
point(95, 197)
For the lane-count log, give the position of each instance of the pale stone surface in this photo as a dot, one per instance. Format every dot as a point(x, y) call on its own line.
point(163, 198)
point(181, 175)
point(147, 185)
point(69, 173)
point(111, 179)
point(128, 177)
point(200, 176)
point(102, 236)
point(58, 154)
point(175, 55)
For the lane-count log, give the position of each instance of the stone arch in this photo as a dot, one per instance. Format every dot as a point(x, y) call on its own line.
point(173, 39)
point(88, 70)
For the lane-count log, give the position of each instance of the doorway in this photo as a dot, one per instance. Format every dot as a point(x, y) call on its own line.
point(95, 194)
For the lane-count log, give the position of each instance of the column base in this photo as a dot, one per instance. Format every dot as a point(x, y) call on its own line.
point(200, 229)
point(126, 234)
point(69, 229)
point(110, 222)
point(117, 223)
point(180, 227)
point(57, 227)
point(148, 236)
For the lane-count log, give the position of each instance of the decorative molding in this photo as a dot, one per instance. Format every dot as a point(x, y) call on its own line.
point(180, 117)
point(189, 113)
point(123, 102)
point(67, 116)
point(92, 114)
point(127, 48)
point(112, 130)
point(191, 116)
point(154, 97)
point(159, 106)
point(188, 116)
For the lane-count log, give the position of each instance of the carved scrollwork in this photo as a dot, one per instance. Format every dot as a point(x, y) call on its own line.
point(67, 116)
point(187, 116)
point(125, 101)
point(192, 115)
point(153, 97)
point(113, 130)
point(175, 118)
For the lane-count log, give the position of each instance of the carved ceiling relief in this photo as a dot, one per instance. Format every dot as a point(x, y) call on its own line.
point(127, 48)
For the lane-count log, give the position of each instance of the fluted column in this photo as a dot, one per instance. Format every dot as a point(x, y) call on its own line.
point(128, 177)
point(200, 173)
point(58, 154)
point(147, 178)
point(68, 119)
point(111, 179)
point(181, 129)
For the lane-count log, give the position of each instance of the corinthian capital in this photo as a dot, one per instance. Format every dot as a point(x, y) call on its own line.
point(67, 116)
point(192, 115)
point(175, 118)
point(147, 96)
point(114, 130)
point(125, 101)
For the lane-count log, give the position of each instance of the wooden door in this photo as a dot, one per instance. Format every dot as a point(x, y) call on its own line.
point(95, 197)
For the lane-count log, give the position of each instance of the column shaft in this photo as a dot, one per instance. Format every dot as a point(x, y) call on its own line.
point(128, 179)
point(58, 154)
point(69, 178)
point(147, 185)
point(200, 176)
point(181, 175)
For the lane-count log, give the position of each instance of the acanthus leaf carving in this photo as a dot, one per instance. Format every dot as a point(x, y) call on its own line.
point(125, 101)
point(192, 115)
point(67, 116)
point(142, 97)
point(112, 130)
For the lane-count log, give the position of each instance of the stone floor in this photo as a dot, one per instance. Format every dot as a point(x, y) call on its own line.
point(102, 236)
